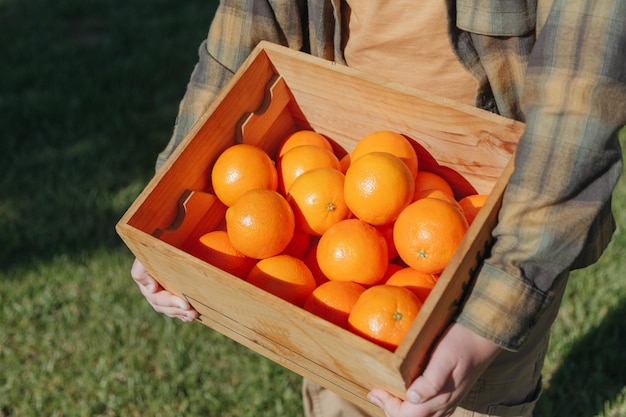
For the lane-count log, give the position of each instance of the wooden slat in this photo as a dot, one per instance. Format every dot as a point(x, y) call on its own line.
point(346, 104)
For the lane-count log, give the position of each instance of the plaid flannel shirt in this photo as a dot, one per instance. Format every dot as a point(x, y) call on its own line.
point(557, 65)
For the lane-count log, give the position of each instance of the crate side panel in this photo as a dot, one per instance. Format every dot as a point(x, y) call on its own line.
point(189, 166)
point(265, 323)
point(453, 285)
point(346, 105)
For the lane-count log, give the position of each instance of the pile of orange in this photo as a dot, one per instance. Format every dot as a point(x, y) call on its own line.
point(358, 238)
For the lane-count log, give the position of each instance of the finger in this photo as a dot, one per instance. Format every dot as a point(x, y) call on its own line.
point(395, 407)
point(141, 276)
point(163, 299)
point(176, 313)
point(423, 389)
point(436, 380)
point(167, 299)
point(385, 401)
point(171, 305)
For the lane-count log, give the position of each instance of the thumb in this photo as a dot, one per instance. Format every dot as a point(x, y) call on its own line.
point(424, 388)
point(437, 378)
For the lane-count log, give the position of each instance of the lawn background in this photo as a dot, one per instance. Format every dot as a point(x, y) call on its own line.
point(89, 91)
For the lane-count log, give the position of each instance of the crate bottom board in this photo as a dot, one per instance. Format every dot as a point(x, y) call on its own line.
point(290, 359)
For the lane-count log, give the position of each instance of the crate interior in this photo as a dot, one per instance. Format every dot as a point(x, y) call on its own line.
point(469, 149)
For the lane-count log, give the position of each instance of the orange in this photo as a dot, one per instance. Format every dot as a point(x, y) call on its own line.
point(427, 233)
point(215, 248)
point(353, 250)
point(303, 137)
point(387, 141)
point(310, 259)
point(344, 163)
point(392, 268)
point(377, 187)
point(427, 180)
point(299, 244)
point(300, 159)
point(260, 224)
point(317, 200)
point(241, 168)
point(471, 204)
point(435, 193)
point(284, 276)
point(384, 314)
point(420, 283)
point(387, 232)
point(334, 300)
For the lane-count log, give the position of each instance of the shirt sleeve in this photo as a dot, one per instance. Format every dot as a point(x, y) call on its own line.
point(556, 209)
point(237, 27)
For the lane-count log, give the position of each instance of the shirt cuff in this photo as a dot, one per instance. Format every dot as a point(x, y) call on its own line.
point(502, 308)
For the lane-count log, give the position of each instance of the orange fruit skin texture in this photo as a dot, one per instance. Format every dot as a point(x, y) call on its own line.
point(299, 244)
point(383, 314)
point(471, 205)
point(358, 241)
point(310, 259)
point(427, 180)
point(317, 200)
point(284, 276)
point(215, 248)
point(353, 250)
point(427, 233)
point(333, 301)
point(260, 224)
point(377, 187)
point(301, 159)
point(241, 168)
point(387, 232)
point(303, 137)
point(344, 163)
point(440, 195)
point(390, 142)
point(391, 269)
point(420, 283)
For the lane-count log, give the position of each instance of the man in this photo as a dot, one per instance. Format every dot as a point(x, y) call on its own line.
point(557, 65)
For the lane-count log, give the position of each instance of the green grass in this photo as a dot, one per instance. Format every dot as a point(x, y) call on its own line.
point(88, 94)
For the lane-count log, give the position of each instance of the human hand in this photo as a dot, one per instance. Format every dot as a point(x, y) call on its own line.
point(161, 300)
point(455, 365)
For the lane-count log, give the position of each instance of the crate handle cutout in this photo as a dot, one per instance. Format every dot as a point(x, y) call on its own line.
point(253, 126)
point(195, 210)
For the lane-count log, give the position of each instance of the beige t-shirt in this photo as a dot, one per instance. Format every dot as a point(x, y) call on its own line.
point(406, 41)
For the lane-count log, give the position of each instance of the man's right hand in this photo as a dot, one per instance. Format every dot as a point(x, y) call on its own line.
point(161, 300)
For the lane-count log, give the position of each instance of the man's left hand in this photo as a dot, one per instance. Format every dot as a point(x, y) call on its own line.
point(458, 360)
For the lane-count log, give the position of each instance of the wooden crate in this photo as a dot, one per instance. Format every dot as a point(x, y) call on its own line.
point(278, 91)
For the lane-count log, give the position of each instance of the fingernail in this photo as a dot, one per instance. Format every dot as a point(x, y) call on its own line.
point(150, 287)
point(413, 397)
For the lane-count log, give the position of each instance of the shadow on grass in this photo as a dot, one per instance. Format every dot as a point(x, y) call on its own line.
point(88, 95)
point(592, 374)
